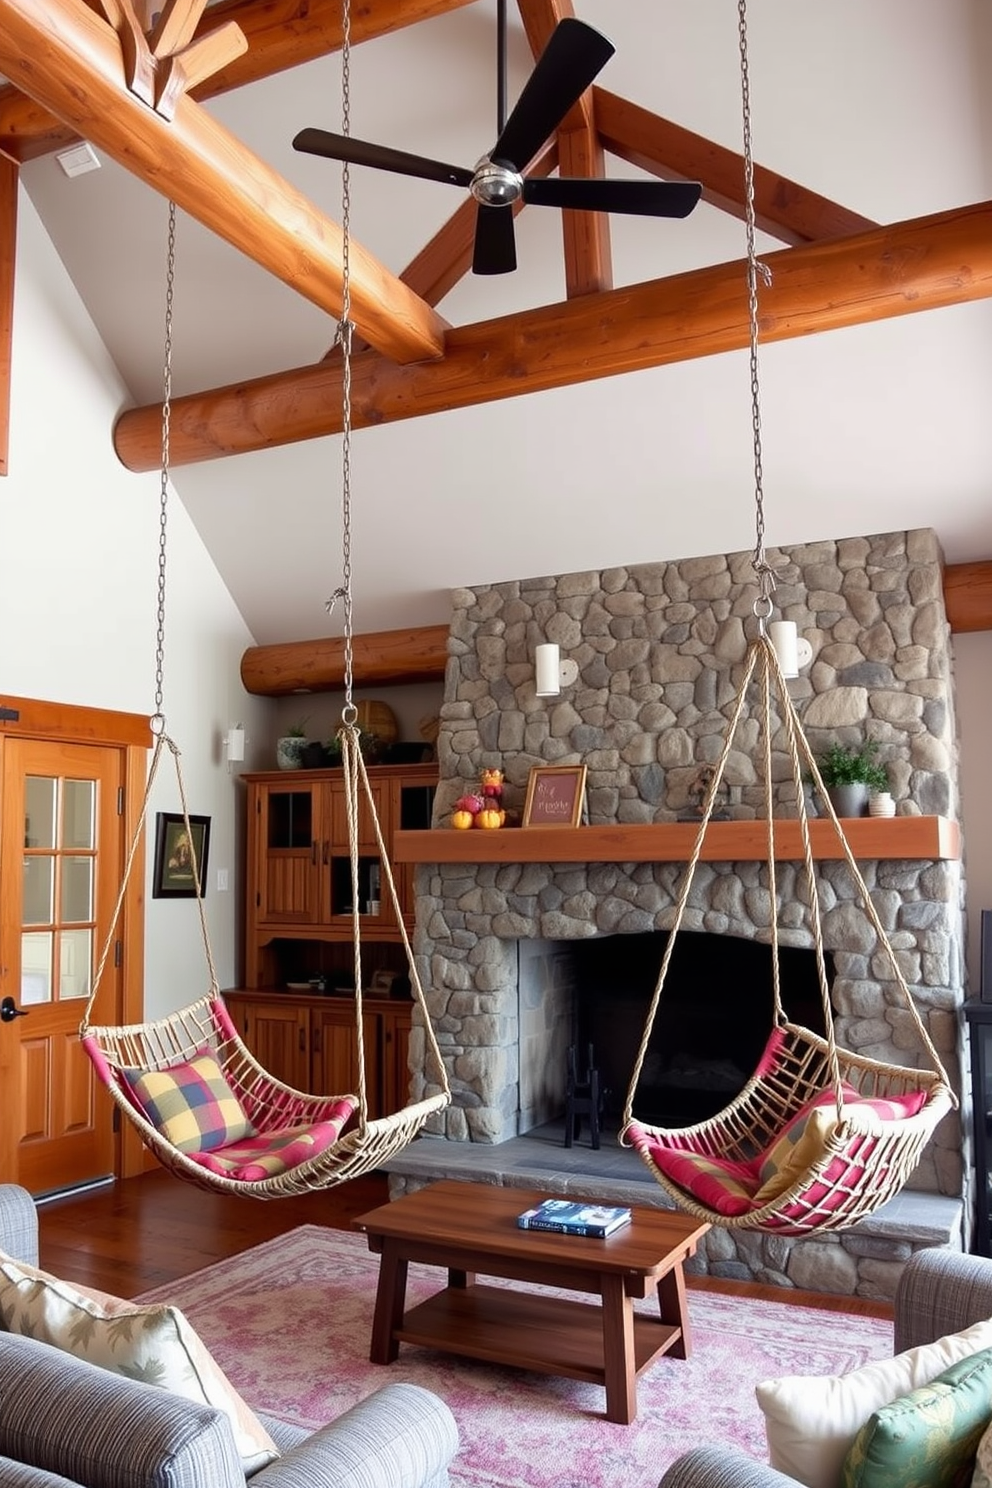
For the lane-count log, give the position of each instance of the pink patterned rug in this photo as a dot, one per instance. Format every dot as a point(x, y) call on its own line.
point(290, 1323)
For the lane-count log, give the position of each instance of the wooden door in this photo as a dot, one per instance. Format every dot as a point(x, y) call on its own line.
point(278, 1034)
point(335, 1050)
point(396, 1024)
point(61, 856)
point(289, 852)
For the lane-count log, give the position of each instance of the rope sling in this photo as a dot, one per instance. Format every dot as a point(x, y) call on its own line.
point(819, 1137)
point(200, 1100)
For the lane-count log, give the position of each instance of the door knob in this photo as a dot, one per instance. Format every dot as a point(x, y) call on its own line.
point(8, 1012)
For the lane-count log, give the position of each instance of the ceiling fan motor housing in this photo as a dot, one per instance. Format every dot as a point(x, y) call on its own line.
point(496, 185)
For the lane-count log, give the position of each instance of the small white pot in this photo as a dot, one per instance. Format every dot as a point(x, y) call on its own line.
point(881, 804)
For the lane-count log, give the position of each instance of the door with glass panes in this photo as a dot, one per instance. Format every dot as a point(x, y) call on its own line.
point(60, 865)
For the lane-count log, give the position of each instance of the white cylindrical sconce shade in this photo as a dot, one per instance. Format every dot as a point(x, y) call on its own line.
point(235, 745)
point(785, 639)
point(792, 649)
point(547, 670)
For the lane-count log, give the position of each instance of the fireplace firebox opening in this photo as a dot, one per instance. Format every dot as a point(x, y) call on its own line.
point(713, 1020)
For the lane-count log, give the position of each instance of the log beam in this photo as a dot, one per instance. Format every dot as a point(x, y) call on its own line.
point(925, 264)
point(280, 34)
point(420, 654)
point(788, 211)
point(379, 659)
point(968, 596)
point(69, 59)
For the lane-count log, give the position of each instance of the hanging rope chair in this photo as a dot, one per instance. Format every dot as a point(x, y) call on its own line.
point(200, 1100)
point(819, 1137)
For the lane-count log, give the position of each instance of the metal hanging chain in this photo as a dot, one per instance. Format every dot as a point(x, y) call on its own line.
point(762, 568)
point(345, 330)
point(158, 719)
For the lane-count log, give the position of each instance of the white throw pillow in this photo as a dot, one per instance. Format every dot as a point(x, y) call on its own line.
point(811, 1420)
point(154, 1344)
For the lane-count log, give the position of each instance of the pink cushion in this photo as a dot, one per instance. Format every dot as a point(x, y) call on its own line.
point(266, 1156)
point(730, 1187)
point(720, 1184)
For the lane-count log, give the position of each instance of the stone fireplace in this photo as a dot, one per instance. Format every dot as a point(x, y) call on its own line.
point(659, 648)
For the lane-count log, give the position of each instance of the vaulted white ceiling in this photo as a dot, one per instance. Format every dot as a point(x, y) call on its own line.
point(881, 105)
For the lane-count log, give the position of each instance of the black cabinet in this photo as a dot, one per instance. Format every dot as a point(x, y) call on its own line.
point(979, 1018)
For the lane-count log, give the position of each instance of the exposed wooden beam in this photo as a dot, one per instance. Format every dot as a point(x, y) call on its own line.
point(782, 207)
point(585, 235)
point(280, 34)
point(9, 174)
point(925, 264)
point(420, 654)
point(70, 60)
point(387, 656)
point(968, 596)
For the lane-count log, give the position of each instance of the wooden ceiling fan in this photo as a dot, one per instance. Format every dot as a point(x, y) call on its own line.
point(573, 57)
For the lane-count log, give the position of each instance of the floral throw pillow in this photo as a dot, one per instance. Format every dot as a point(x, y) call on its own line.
point(152, 1343)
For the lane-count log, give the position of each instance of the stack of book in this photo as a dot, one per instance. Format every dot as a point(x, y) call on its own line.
point(568, 1217)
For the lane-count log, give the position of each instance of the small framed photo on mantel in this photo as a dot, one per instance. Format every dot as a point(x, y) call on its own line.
point(555, 796)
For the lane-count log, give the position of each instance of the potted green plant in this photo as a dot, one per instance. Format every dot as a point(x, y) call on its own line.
point(289, 747)
point(851, 774)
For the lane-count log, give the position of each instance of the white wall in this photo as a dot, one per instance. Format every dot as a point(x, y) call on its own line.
point(78, 598)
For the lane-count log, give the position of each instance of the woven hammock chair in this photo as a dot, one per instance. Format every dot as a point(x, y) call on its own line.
point(196, 1094)
point(819, 1137)
point(307, 1141)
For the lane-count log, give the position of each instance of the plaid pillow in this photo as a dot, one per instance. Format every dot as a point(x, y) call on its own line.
point(191, 1104)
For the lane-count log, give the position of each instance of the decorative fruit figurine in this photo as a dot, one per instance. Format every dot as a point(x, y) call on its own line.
point(489, 818)
point(462, 819)
point(471, 803)
point(492, 786)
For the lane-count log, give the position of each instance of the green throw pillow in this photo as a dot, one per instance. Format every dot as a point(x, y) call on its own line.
point(928, 1438)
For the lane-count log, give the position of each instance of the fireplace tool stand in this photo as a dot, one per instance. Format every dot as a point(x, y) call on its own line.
point(583, 1097)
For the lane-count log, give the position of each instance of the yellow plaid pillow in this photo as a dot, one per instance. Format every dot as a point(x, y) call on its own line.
point(191, 1104)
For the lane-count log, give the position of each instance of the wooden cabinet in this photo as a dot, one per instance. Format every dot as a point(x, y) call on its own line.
point(311, 1043)
point(299, 874)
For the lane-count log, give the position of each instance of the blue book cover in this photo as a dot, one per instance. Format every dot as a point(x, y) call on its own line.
point(575, 1217)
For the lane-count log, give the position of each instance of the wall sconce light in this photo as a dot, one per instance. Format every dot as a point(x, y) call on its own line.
point(792, 649)
point(551, 674)
point(235, 744)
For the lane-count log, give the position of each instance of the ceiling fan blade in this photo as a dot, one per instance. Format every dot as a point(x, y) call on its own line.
point(360, 152)
point(495, 243)
point(635, 198)
point(569, 63)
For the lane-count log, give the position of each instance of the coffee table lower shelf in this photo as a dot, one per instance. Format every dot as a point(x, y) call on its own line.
point(551, 1335)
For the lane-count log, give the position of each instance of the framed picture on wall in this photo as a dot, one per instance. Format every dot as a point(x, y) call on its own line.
point(555, 796)
point(175, 850)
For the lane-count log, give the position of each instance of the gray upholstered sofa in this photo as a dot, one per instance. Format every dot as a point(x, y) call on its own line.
point(939, 1292)
point(65, 1422)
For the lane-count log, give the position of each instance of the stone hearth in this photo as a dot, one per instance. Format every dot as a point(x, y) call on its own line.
point(659, 649)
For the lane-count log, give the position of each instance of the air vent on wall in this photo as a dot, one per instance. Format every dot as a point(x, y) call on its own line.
point(78, 161)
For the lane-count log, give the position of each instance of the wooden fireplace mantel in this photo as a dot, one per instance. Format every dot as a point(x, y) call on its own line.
point(917, 837)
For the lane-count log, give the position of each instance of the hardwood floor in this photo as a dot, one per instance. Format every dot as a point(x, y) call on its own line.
point(144, 1232)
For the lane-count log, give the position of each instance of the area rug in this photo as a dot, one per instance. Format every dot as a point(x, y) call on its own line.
point(290, 1323)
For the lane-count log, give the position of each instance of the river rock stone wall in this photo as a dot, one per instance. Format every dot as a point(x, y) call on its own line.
point(660, 648)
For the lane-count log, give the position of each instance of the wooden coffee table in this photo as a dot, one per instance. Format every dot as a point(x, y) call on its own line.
point(471, 1228)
